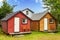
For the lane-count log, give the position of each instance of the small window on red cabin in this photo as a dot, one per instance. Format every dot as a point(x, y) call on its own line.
point(26, 12)
point(24, 21)
point(51, 20)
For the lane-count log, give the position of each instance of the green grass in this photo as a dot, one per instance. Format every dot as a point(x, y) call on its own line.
point(33, 36)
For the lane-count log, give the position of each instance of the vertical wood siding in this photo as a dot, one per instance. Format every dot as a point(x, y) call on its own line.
point(34, 25)
point(4, 26)
point(51, 26)
point(23, 27)
point(39, 25)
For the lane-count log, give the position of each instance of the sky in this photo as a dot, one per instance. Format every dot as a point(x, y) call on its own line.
point(34, 5)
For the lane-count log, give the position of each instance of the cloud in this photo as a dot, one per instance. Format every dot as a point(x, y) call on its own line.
point(1, 4)
point(1, 0)
point(38, 1)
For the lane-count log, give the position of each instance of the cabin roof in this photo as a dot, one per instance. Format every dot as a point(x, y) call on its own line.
point(38, 16)
point(27, 9)
point(10, 15)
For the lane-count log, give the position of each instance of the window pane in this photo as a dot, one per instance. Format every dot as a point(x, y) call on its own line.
point(24, 21)
point(51, 20)
point(26, 12)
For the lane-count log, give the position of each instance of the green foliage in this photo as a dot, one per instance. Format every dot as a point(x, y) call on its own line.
point(54, 7)
point(58, 28)
point(5, 9)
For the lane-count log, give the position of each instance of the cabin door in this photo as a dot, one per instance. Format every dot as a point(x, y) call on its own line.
point(16, 24)
point(45, 24)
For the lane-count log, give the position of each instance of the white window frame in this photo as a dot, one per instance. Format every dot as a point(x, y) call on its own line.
point(24, 19)
point(52, 20)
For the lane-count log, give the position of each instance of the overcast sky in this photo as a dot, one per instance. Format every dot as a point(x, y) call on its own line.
point(35, 5)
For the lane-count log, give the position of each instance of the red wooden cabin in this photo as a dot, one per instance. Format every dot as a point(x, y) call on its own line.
point(16, 23)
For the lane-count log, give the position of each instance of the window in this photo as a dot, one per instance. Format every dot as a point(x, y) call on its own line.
point(24, 21)
point(26, 12)
point(51, 20)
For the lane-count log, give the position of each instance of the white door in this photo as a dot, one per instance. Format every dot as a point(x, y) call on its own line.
point(45, 24)
point(16, 24)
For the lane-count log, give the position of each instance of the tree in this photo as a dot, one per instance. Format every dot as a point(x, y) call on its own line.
point(5, 9)
point(54, 7)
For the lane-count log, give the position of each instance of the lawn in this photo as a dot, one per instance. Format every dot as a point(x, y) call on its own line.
point(33, 36)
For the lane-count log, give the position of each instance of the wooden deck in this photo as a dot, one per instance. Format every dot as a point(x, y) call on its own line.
point(20, 33)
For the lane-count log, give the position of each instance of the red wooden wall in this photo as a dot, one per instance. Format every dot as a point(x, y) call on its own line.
point(22, 26)
point(4, 26)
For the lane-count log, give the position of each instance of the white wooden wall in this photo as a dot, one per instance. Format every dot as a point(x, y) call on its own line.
point(29, 13)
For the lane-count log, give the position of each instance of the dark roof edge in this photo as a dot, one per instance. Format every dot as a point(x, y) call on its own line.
point(48, 13)
point(28, 9)
point(15, 14)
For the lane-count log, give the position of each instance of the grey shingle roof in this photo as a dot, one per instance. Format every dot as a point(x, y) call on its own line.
point(12, 14)
point(34, 16)
point(38, 16)
point(8, 16)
